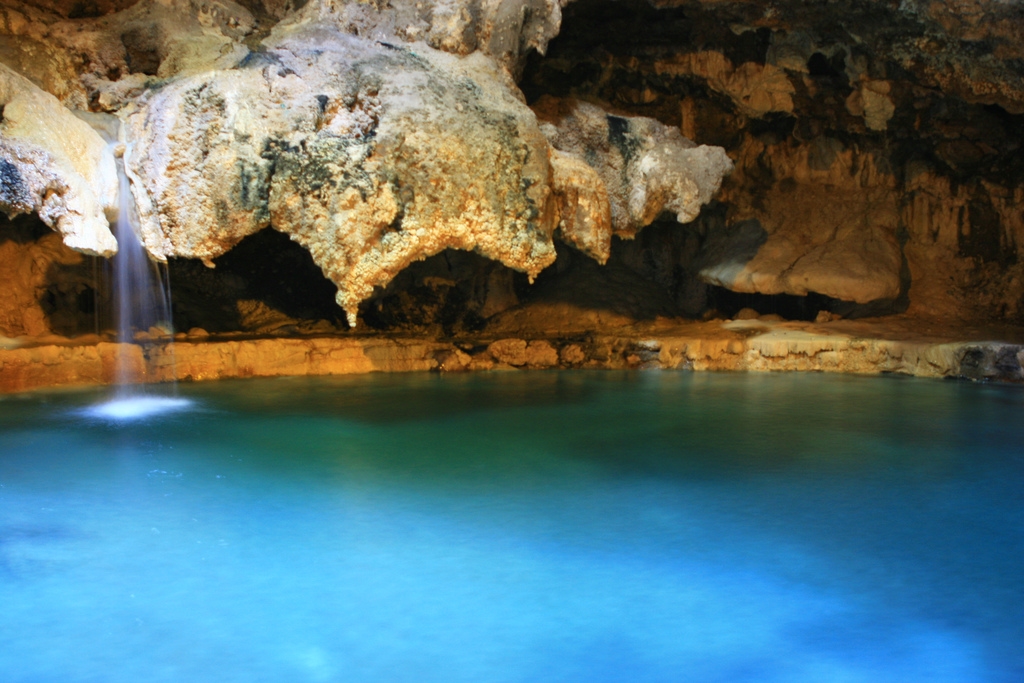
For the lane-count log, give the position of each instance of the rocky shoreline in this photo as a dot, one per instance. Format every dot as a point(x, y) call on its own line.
point(736, 345)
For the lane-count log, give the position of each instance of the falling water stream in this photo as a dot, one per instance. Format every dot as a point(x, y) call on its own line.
point(141, 294)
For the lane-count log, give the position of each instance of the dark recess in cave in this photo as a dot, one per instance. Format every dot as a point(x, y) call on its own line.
point(727, 303)
point(983, 236)
point(141, 52)
point(631, 284)
point(73, 295)
point(267, 267)
point(832, 68)
point(23, 229)
point(84, 10)
point(447, 295)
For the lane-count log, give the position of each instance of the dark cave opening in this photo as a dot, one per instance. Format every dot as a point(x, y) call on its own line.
point(449, 294)
point(48, 288)
point(24, 229)
point(266, 283)
point(725, 303)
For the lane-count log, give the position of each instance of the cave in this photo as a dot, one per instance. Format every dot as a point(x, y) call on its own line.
point(857, 176)
point(511, 340)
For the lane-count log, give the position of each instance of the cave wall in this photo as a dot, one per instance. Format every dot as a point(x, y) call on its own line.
point(48, 288)
point(877, 145)
point(325, 153)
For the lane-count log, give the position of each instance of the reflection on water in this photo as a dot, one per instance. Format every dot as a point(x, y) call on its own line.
point(518, 527)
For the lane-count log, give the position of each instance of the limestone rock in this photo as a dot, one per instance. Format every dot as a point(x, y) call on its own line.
point(584, 210)
point(833, 232)
point(518, 353)
point(647, 167)
point(44, 283)
point(572, 355)
point(965, 251)
point(453, 360)
point(541, 354)
point(368, 155)
point(756, 89)
point(54, 165)
point(871, 100)
point(372, 135)
point(859, 261)
point(510, 351)
point(504, 30)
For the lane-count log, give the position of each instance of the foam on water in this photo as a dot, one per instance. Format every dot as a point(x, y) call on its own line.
point(136, 407)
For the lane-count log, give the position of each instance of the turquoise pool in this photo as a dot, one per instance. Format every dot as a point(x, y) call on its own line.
point(521, 526)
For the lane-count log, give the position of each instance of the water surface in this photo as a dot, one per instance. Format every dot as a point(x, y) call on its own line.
point(517, 527)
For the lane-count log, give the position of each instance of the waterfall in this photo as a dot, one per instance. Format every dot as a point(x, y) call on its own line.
point(141, 290)
point(141, 294)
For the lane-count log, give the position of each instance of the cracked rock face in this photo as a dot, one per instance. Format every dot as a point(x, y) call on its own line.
point(373, 136)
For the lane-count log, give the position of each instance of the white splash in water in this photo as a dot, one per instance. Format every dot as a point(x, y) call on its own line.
point(136, 407)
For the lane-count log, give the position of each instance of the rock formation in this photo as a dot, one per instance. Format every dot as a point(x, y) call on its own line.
point(373, 136)
point(54, 165)
point(521, 170)
point(877, 144)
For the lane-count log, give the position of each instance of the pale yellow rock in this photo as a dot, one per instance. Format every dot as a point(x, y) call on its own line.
point(647, 167)
point(541, 354)
point(753, 345)
point(510, 351)
point(56, 166)
point(503, 30)
point(833, 233)
point(584, 211)
point(45, 64)
point(871, 100)
point(366, 155)
point(572, 354)
point(453, 360)
point(538, 353)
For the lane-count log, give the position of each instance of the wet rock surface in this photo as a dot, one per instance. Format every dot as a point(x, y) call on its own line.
point(759, 345)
